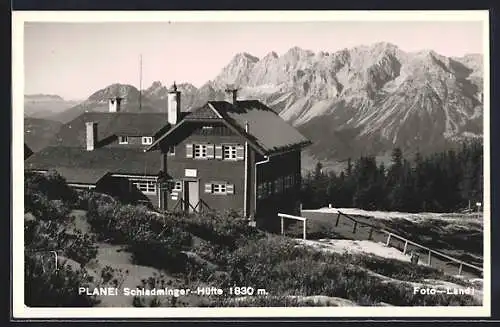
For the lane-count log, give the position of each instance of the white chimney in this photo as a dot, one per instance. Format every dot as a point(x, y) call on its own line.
point(115, 104)
point(234, 94)
point(91, 135)
point(174, 105)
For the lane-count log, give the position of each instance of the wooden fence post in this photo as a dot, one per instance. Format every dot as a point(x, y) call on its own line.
point(405, 248)
point(371, 233)
point(460, 270)
point(429, 258)
point(304, 230)
point(282, 226)
point(388, 240)
point(338, 219)
point(354, 228)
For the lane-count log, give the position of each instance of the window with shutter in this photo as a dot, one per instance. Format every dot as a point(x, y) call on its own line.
point(210, 151)
point(229, 152)
point(220, 188)
point(208, 188)
point(240, 152)
point(230, 188)
point(200, 151)
point(189, 150)
point(218, 152)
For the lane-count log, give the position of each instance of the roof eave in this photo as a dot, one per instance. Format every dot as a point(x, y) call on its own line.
point(297, 146)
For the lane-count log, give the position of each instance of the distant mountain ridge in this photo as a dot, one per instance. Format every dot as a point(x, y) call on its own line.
point(42, 97)
point(45, 105)
point(363, 100)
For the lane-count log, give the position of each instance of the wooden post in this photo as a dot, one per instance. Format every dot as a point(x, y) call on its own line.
point(354, 228)
point(388, 240)
point(460, 270)
point(300, 209)
point(282, 226)
point(304, 230)
point(406, 247)
point(371, 233)
point(429, 258)
point(338, 219)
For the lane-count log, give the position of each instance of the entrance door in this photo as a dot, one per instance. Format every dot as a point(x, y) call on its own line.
point(191, 195)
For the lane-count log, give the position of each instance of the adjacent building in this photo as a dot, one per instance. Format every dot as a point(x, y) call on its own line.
point(224, 155)
point(105, 151)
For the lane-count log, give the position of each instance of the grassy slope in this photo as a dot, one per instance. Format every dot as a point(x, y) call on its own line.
point(116, 257)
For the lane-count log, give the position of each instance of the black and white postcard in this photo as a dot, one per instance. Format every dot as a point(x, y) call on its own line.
point(251, 164)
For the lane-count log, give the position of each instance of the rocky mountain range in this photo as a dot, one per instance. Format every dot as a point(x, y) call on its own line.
point(363, 100)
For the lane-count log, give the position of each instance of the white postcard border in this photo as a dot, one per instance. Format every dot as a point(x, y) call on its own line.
point(19, 310)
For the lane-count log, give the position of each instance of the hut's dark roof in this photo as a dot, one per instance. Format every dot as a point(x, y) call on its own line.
point(267, 131)
point(111, 124)
point(109, 159)
point(76, 175)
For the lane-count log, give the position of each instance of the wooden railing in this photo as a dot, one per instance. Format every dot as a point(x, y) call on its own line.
point(283, 216)
point(406, 241)
point(430, 251)
point(199, 207)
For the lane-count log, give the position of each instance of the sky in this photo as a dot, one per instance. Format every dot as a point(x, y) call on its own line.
point(74, 60)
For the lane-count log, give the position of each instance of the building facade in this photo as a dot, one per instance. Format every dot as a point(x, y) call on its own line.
point(225, 155)
point(237, 155)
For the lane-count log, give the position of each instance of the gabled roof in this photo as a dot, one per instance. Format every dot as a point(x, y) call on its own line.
point(75, 175)
point(267, 131)
point(110, 159)
point(111, 124)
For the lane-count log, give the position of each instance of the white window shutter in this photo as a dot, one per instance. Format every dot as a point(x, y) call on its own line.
point(230, 188)
point(189, 150)
point(208, 188)
point(218, 152)
point(210, 151)
point(240, 152)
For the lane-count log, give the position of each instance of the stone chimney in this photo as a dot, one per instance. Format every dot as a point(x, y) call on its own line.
point(234, 95)
point(91, 135)
point(174, 105)
point(115, 104)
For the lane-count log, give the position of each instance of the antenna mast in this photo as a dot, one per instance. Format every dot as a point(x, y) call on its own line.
point(140, 82)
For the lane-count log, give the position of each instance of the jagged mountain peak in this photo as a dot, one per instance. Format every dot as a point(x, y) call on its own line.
point(298, 52)
point(125, 91)
point(245, 56)
point(270, 56)
point(156, 84)
point(374, 96)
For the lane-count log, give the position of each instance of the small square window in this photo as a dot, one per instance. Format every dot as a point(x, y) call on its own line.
point(200, 150)
point(229, 152)
point(123, 139)
point(219, 188)
point(147, 140)
point(177, 186)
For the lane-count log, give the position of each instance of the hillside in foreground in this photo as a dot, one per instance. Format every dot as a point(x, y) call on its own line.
point(108, 243)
